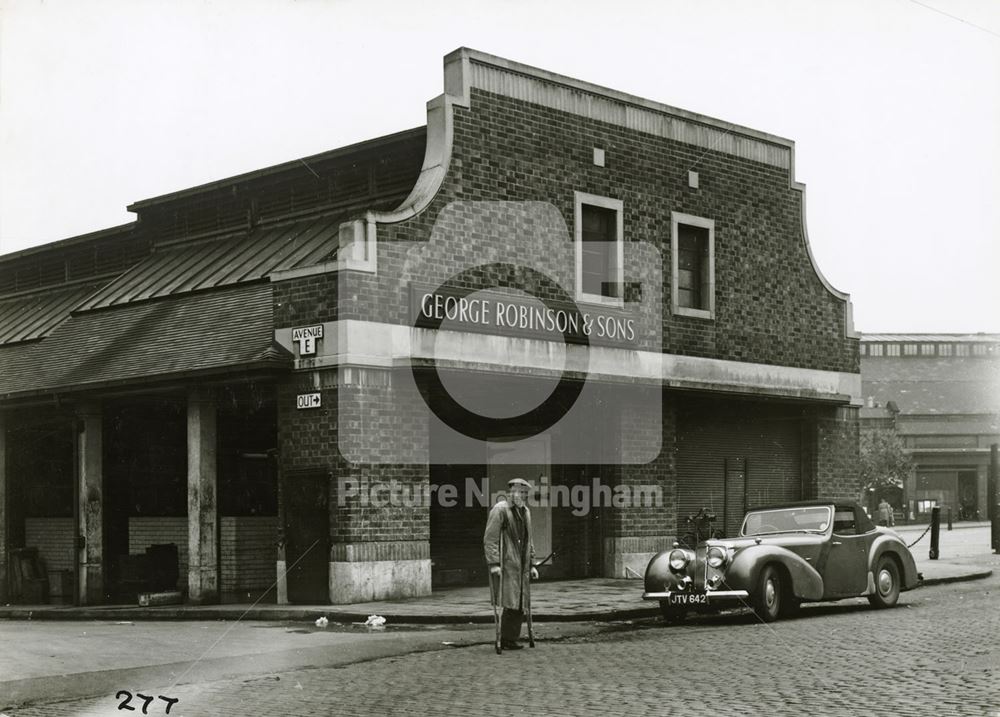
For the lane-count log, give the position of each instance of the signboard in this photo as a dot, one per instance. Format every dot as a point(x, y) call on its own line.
point(494, 312)
point(308, 400)
point(306, 337)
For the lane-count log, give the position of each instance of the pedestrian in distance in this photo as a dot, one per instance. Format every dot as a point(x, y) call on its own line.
point(885, 516)
point(510, 555)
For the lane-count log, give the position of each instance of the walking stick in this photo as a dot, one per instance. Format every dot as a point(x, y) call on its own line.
point(496, 617)
point(531, 634)
point(497, 597)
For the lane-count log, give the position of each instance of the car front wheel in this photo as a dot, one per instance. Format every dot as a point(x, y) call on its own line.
point(886, 583)
point(766, 599)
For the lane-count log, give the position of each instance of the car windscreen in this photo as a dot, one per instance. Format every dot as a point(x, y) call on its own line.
point(812, 519)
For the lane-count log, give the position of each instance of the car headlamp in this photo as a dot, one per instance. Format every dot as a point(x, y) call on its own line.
point(716, 557)
point(678, 560)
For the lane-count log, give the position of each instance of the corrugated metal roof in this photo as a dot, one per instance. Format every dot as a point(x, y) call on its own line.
point(61, 244)
point(228, 329)
point(943, 338)
point(223, 262)
point(416, 134)
point(35, 316)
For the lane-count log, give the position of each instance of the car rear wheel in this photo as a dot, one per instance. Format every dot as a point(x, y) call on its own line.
point(671, 615)
point(886, 583)
point(766, 599)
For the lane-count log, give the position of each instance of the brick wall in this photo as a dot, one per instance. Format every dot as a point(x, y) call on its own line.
point(836, 454)
point(247, 547)
point(770, 306)
point(642, 520)
point(306, 300)
point(143, 532)
point(309, 439)
point(54, 539)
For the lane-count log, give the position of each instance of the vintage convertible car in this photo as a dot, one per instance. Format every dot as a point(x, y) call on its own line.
point(783, 556)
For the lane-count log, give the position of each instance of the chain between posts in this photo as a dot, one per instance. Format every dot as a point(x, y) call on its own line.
point(921, 536)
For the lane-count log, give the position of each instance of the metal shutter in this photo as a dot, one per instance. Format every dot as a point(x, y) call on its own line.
point(728, 463)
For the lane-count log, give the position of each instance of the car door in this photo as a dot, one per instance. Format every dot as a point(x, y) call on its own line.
point(845, 571)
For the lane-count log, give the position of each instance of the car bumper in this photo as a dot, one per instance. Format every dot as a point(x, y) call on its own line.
point(713, 595)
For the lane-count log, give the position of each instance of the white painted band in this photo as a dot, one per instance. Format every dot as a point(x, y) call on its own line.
point(383, 345)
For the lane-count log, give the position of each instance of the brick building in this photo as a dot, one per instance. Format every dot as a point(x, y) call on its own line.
point(274, 371)
point(940, 393)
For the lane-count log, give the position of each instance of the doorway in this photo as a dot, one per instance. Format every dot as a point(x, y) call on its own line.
point(307, 537)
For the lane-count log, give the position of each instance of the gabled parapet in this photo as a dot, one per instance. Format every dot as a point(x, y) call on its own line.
point(466, 70)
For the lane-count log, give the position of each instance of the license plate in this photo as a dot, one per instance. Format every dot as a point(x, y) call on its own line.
point(685, 599)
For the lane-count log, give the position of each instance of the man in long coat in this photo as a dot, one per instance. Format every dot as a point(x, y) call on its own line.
point(511, 519)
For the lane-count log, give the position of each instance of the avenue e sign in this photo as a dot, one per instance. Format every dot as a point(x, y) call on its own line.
point(306, 337)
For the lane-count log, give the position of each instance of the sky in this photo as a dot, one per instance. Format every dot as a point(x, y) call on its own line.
point(894, 106)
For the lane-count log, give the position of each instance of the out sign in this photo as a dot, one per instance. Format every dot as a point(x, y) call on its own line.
point(306, 337)
point(308, 400)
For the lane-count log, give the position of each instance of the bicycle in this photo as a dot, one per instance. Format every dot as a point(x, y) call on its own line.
point(699, 528)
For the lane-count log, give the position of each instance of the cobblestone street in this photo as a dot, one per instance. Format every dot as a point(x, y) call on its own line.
point(935, 654)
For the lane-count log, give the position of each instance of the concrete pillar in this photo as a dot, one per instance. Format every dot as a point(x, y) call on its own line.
point(203, 546)
point(4, 514)
point(90, 471)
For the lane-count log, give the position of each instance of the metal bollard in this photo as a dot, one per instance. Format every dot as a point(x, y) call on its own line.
point(949, 517)
point(935, 531)
point(993, 499)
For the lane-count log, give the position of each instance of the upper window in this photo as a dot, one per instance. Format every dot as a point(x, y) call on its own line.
point(692, 252)
point(926, 349)
point(944, 349)
point(892, 349)
point(909, 349)
point(875, 350)
point(979, 349)
point(962, 349)
point(599, 249)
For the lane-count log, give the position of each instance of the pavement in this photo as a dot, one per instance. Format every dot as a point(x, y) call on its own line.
point(597, 599)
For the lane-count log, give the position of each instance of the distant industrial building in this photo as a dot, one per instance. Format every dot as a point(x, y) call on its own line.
point(941, 394)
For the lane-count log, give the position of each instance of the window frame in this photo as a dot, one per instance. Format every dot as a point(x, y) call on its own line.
point(676, 219)
point(618, 206)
